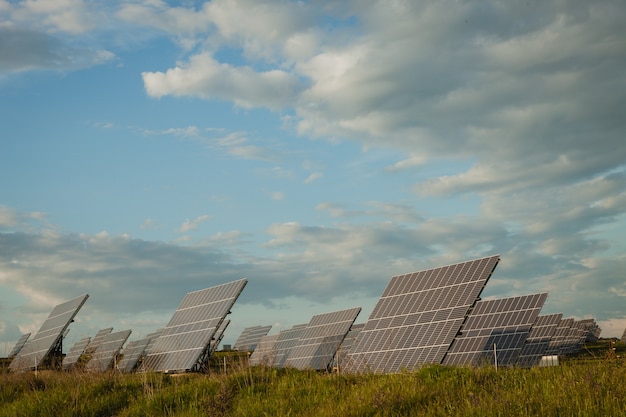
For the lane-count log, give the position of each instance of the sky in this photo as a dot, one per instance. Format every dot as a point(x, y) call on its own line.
point(150, 148)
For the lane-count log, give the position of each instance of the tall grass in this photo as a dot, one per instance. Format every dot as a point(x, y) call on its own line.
point(589, 389)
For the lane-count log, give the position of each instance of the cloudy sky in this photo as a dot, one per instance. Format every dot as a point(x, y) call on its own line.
point(150, 148)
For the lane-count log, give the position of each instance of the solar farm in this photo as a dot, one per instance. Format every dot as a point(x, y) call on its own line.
point(429, 317)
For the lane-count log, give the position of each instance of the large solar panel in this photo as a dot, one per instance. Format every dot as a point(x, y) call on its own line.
point(49, 336)
point(250, 337)
point(19, 345)
point(418, 316)
point(502, 324)
point(538, 340)
point(71, 359)
point(135, 350)
point(318, 343)
point(104, 356)
point(97, 340)
point(185, 340)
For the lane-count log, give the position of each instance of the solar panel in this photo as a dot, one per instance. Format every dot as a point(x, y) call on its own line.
point(250, 337)
point(559, 339)
point(503, 323)
point(49, 337)
point(71, 359)
point(287, 340)
point(318, 343)
point(184, 343)
point(135, 351)
point(538, 340)
point(19, 345)
point(104, 356)
point(264, 353)
point(418, 316)
point(346, 345)
point(218, 336)
point(97, 340)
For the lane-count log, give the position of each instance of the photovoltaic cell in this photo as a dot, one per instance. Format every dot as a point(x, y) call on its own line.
point(264, 352)
point(250, 337)
point(538, 340)
point(49, 335)
point(418, 316)
point(71, 359)
point(104, 356)
point(318, 343)
point(19, 345)
point(504, 322)
point(186, 338)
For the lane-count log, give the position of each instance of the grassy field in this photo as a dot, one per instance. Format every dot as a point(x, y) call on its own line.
point(576, 388)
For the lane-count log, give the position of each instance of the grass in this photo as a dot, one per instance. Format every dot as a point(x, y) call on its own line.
point(573, 389)
point(591, 384)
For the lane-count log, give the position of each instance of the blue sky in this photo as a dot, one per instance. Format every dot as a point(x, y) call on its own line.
point(152, 148)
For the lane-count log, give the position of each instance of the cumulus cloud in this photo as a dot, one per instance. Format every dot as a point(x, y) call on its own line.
point(189, 225)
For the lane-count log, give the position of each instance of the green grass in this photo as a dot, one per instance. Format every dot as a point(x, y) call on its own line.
point(573, 389)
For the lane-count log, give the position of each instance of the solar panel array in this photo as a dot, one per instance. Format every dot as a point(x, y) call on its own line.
point(538, 340)
point(104, 356)
point(186, 338)
point(250, 337)
point(495, 331)
point(19, 345)
point(318, 343)
point(71, 359)
point(264, 353)
point(418, 316)
point(49, 336)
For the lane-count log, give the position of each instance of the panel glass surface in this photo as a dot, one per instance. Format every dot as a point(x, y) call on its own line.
point(502, 324)
point(19, 345)
point(318, 343)
point(218, 336)
point(187, 336)
point(538, 340)
point(104, 356)
point(418, 316)
point(264, 353)
point(49, 335)
point(560, 338)
point(250, 337)
point(97, 340)
point(71, 359)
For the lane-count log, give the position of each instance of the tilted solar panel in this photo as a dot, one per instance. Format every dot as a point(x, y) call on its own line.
point(264, 353)
point(185, 340)
point(104, 356)
point(218, 336)
point(418, 316)
point(345, 347)
point(19, 345)
point(318, 343)
point(538, 340)
point(287, 340)
point(97, 340)
point(71, 359)
point(49, 336)
point(495, 330)
point(560, 338)
point(250, 337)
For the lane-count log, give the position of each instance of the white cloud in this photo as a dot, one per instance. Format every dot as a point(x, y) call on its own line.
point(189, 225)
point(204, 77)
point(313, 176)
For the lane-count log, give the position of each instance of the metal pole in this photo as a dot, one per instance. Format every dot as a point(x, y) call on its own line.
point(495, 356)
